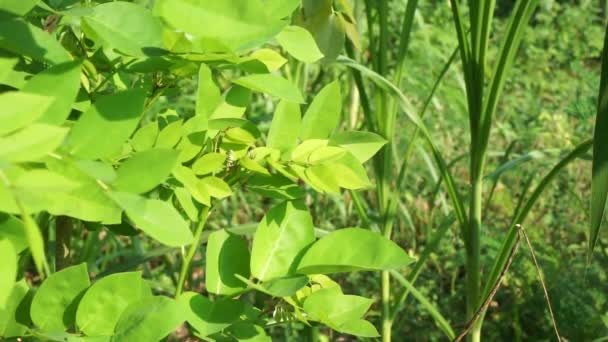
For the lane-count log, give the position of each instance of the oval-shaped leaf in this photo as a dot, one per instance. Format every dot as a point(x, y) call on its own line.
point(102, 304)
point(127, 27)
point(20, 109)
point(285, 127)
point(362, 145)
point(31, 143)
point(145, 170)
point(60, 82)
point(54, 305)
point(157, 218)
point(109, 122)
point(8, 270)
point(23, 38)
point(209, 163)
point(208, 317)
point(300, 44)
point(227, 256)
point(284, 233)
point(323, 114)
point(272, 85)
point(150, 319)
point(363, 250)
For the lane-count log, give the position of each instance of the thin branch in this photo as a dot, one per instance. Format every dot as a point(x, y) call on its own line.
point(542, 281)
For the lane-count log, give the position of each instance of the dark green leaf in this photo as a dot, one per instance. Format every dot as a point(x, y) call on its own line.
point(227, 256)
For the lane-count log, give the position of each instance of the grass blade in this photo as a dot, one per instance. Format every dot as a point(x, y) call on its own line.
point(441, 322)
point(599, 187)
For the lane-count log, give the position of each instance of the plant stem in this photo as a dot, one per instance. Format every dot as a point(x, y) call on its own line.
point(63, 234)
point(473, 254)
point(198, 234)
point(387, 322)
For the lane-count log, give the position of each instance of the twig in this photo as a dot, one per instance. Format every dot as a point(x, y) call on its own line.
point(488, 300)
point(542, 281)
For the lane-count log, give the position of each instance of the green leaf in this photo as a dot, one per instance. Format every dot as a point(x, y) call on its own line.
point(323, 178)
point(272, 85)
point(88, 202)
point(145, 137)
point(365, 250)
point(239, 136)
point(12, 320)
point(599, 183)
point(18, 7)
point(209, 163)
point(271, 59)
point(279, 287)
point(227, 256)
point(11, 228)
point(126, 27)
point(185, 201)
point(208, 317)
point(60, 82)
point(32, 143)
point(103, 303)
point(157, 218)
point(54, 305)
point(234, 23)
point(248, 332)
point(35, 242)
point(301, 153)
point(285, 127)
point(323, 114)
point(150, 319)
point(280, 8)
point(216, 187)
point(20, 109)
point(299, 43)
point(284, 233)
point(109, 122)
point(326, 154)
point(358, 327)
point(8, 271)
point(23, 38)
point(339, 311)
point(187, 177)
point(208, 96)
point(170, 135)
point(363, 145)
point(329, 33)
point(275, 186)
point(145, 170)
point(253, 165)
point(349, 172)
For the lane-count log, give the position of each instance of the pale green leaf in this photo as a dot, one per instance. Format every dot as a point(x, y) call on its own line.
point(209, 163)
point(61, 82)
point(366, 250)
point(323, 114)
point(18, 109)
point(18, 7)
point(187, 177)
point(145, 137)
point(285, 127)
point(216, 187)
point(227, 256)
point(299, 43)
point(145, 170)
point(127, 27)
point(150, 319)
point(285, 231)
point(362, 145)
point(54, 305)
point(32, 143)
point(8, 270)
point(102, 130)
point(273, 85)
point(103, 303)
point(236, 24)
point(170, 135)
point(208, 96)
point(156, 218)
